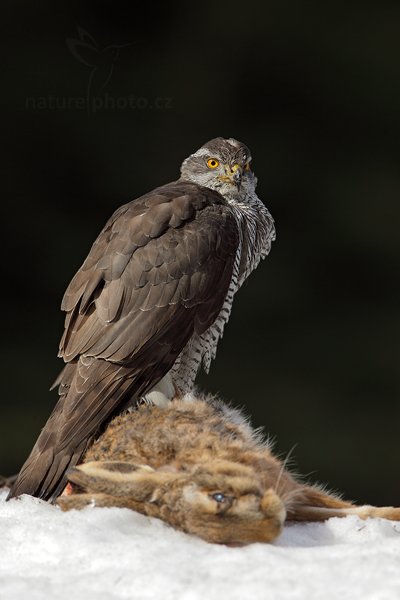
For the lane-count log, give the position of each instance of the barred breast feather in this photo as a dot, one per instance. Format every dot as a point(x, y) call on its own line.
point(256, 234)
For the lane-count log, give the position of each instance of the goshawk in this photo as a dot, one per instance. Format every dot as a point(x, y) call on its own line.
point(150, 302)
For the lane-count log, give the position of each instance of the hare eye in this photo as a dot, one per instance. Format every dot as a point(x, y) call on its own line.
point(219, 497)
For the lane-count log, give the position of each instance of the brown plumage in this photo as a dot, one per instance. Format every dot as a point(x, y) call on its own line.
point(158, 272)
point(150, 302)
point(199, 466)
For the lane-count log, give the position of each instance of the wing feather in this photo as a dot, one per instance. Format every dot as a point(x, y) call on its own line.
point(158, 273)
point(175, 244)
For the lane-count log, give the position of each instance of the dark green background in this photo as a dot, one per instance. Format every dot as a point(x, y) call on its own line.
point(312, 348)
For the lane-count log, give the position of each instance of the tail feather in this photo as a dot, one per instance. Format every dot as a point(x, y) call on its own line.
point(67, 432)
point(45, 478)
point(91, 391)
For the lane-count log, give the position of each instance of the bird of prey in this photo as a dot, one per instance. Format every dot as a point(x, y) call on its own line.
point(149, 304)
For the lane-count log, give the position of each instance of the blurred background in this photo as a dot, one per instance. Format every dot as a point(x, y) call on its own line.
point(101, 101)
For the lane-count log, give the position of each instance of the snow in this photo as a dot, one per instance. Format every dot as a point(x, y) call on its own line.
point(111, 553)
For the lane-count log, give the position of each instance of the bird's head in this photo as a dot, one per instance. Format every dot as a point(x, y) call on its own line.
point(223, 165)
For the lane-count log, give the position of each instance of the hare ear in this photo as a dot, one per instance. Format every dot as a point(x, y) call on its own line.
point(118, 466)
point(118, 479)
point(79, 501)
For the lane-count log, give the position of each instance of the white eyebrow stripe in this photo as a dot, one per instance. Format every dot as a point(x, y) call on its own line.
point(202, 152)
point(233, 142)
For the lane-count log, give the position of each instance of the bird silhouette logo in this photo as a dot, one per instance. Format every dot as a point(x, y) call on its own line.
point(100, 60)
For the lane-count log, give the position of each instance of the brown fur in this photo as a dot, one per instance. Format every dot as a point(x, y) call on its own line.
point(172, 463)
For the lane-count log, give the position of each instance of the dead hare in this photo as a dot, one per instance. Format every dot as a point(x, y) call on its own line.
point(198, 465)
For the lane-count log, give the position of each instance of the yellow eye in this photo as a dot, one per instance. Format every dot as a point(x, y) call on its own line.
point(212, 163)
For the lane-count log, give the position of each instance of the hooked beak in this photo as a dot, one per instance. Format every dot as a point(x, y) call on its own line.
point(233, 175)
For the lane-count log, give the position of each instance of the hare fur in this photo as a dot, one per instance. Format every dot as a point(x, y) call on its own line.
point(198, 465)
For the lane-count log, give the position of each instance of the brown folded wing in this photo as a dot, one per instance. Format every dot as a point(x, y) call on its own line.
point(158, 272)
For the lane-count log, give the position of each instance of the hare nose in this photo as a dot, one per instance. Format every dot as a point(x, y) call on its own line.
point(272, 506)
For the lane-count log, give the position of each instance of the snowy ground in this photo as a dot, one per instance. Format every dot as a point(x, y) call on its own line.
point(110, 553)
